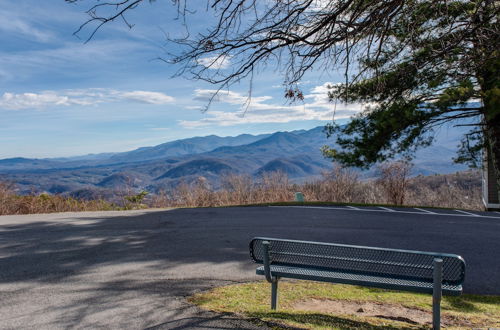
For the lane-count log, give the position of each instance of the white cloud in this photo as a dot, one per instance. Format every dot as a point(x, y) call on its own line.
point(215, 62)
point(193, 107)
point(205, 95)
point(93, 96)
point(160, 128)
point(322, 89)
point(223, 118)
point(320, 5)
point(316, 106)
point(148, 97)
point(32, 100)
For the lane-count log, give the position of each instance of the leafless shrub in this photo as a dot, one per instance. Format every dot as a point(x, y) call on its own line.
point(369, 193)
point(338, 185)
point(341, 184)
point(196, 194)
point(393, 179)
point(161, 199)
point(236, 189)
point(273, 187)
point(11, 203)
point(461, 190)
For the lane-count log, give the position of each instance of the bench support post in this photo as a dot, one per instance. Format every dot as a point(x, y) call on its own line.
point(437, 293)
point(269, 277)
point(274, 294)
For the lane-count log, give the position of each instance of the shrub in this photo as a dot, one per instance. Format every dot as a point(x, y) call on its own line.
point(393, 179)
point(11, 203)
point(394, 186)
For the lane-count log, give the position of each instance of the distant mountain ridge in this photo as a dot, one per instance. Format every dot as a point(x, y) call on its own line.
point(161, 167)
point(177, 148)
point(183, 147)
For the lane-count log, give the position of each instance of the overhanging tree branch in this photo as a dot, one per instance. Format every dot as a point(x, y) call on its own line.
point(420, 62)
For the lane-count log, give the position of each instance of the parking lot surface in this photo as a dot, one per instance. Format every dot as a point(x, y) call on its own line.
point(134, 269)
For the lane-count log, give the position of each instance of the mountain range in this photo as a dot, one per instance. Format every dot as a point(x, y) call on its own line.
point(155, 168)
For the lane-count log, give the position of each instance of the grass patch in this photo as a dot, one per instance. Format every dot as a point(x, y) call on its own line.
point(252, 300)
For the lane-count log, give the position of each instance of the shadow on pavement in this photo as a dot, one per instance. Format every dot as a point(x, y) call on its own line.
point(212, 321)
point(48, 251)
point(94, 271)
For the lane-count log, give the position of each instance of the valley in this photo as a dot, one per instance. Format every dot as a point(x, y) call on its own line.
point(161, 167)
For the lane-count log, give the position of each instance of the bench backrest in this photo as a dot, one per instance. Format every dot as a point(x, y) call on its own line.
point(404, 264)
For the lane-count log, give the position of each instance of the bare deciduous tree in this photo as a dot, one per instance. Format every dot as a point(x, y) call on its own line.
point(393, 179)
point(420, 62)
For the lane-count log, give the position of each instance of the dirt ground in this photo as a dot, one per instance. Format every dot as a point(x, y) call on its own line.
point(376, 309)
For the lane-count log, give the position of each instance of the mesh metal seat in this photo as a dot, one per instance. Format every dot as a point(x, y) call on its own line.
point(358, 279)
point(426, 272)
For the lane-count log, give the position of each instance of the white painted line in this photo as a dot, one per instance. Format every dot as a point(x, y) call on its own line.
point(426, 211)
point(387, 209)
point(464, 212)
point(353, 207)
point(394, 211)
point(314, 207)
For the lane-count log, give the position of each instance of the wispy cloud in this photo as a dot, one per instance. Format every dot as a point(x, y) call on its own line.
point(75, 51)
point(148, 97)
point(16, 22)
point(33, 100)
point(160, 129)
point(19, 27)
point(23, 101)
point(206, 95)
point(215, 62)
point(316, 106)
point(68, 58)
point(193, 107)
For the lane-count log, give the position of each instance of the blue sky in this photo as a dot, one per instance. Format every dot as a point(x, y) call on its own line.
point(60, 96)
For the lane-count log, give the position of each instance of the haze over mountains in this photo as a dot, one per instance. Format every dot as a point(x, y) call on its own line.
point(160, 167)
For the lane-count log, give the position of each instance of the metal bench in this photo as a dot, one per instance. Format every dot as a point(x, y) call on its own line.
point(425, 272)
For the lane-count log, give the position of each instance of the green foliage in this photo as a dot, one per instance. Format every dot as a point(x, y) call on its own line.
point(379, 134)
point(137, 199)
point(432, 61)
point(471, 148)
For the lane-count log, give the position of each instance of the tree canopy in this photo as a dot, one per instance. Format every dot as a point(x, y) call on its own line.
point(419, 63)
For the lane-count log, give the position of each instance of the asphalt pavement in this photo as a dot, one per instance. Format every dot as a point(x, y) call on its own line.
point(134, 270)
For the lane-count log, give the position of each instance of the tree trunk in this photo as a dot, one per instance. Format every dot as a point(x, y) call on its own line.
point(490, 90)
point(493, 149)
point(488, 76)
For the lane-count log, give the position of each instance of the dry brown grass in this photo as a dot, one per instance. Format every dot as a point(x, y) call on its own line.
point(11, 203)
point(461, 190)
point(235, 190)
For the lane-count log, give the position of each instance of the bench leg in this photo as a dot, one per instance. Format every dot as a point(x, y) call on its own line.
point(274, 293)
point(436, 294)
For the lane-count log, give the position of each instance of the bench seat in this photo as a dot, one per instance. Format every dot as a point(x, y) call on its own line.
point(358, 279)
